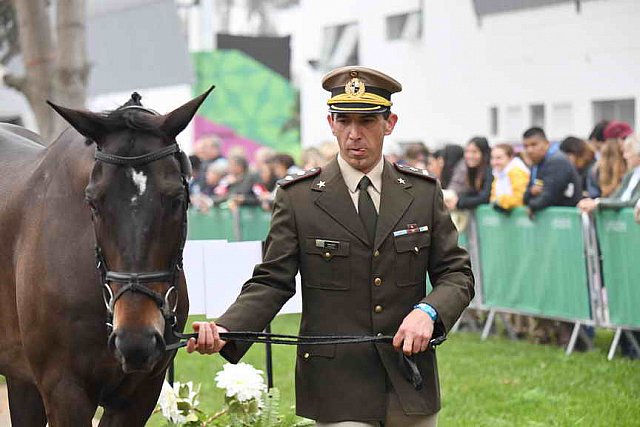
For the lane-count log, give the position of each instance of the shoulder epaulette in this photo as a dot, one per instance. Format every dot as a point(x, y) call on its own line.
point(410, 170)
point(297, 177)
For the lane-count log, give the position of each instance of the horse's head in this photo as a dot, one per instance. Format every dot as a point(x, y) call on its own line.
point(138, 197)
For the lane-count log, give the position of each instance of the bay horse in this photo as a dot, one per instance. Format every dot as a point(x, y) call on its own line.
point(91, 236)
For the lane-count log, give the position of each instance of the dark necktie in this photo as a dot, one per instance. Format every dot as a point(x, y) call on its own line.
point(366, 208)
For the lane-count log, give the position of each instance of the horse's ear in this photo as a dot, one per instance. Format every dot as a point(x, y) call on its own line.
point(90, 125)
point(175, 121)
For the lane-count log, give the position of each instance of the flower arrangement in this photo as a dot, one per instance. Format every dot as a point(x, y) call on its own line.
point(247, 402)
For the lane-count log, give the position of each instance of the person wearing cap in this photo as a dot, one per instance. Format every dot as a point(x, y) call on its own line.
point(364, 234)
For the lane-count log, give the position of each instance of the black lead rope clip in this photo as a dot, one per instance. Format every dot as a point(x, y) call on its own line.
point(408, 365)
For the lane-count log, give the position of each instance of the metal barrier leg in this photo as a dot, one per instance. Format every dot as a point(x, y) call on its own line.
point(614, 344)
point(573, 339)
point(511, 333)
point(488, 324)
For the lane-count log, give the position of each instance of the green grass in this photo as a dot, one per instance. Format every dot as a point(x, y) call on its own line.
point(493, 383)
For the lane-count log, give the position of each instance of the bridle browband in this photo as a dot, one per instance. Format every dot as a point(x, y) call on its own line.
point(136, 281)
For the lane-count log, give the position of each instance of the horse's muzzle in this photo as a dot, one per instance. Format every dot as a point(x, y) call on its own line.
point(137, 351)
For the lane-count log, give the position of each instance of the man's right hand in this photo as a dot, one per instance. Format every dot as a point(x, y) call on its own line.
point(208, 341)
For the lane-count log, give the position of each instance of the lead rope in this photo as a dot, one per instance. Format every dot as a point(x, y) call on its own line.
point(408, 364)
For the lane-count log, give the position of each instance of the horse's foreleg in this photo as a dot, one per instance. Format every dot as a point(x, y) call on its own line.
point(139, 406)
point(25, 404)
point(67, 403)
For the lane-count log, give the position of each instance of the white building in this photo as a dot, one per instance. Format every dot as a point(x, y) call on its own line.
point(485, 67)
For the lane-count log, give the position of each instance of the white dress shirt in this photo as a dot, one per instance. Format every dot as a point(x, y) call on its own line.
point(352, 177)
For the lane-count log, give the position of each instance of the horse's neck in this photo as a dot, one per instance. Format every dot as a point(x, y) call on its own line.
point(67, 164)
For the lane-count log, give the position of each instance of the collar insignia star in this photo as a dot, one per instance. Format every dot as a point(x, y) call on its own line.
point(401, 181)
point(321, 184)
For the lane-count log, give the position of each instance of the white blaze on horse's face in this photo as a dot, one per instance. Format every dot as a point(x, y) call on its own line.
point(140, 181)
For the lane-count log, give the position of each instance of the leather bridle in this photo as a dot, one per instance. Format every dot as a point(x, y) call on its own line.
point(136, 281)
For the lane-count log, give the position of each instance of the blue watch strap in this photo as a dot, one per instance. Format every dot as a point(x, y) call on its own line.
point(427, 309)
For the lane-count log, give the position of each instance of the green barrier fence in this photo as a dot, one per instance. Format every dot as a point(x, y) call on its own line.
point(619, 238)
point(246, 224)
point(534, 266)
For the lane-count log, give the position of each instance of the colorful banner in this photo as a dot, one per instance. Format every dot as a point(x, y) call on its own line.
point(251, 106)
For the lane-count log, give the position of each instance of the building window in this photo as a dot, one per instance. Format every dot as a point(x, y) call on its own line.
point(562, 119)
point(615, 109)
point(406, 26)
point(493, 121)
point(515, 122)
point(536, 115)
point(340, 46)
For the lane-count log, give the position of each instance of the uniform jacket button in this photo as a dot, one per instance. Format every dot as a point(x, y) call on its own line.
point(306, 355)
point(378, 309)
point(377, 281)
point(327, 254)
point(376, 254)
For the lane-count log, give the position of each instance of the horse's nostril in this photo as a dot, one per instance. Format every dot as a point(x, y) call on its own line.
point(138, 350)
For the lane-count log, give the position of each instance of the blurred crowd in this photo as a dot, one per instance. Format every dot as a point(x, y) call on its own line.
point(231, 181)
point(600, 172)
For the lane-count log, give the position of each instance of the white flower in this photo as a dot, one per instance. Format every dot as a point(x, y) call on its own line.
point(242, 381)
point(168, 402)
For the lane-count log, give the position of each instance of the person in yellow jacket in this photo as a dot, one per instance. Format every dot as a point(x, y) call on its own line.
point(510, 178)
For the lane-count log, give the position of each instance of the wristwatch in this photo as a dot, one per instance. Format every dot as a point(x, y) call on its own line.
point(427, 309)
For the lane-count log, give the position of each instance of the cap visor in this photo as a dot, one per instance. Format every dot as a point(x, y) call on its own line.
point(357, 108)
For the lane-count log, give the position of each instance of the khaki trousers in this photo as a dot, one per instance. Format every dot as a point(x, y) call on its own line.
point(395, 418)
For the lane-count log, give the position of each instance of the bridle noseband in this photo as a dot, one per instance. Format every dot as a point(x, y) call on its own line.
point(136, 281)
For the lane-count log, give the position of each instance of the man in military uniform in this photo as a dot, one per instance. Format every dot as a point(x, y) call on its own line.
point(363, 233)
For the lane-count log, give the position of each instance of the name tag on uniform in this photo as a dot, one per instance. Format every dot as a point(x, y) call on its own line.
point(411, 230)
point(327, 244)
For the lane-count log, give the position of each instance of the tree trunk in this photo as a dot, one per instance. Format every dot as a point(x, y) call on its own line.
point(70, 78)
point(54, 69)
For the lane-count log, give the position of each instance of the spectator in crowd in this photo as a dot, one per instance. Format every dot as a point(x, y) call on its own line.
point(416, 155)
point(442, 163)
point(611, 166)
point(554, 180)
point(582, 156)
point(239, 183)
point(477, 158)
point(207, 149)
point(596, 137)
point(262, 157)
point(628, 192)
point(510, 178)
point(207, 194)
point(311, 158)
point(329, 150)
point(282, 165)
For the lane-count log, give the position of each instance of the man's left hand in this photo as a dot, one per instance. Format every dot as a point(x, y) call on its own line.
point(414, 333)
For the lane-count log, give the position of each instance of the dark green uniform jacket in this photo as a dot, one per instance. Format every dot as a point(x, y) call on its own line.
point(351, 287)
